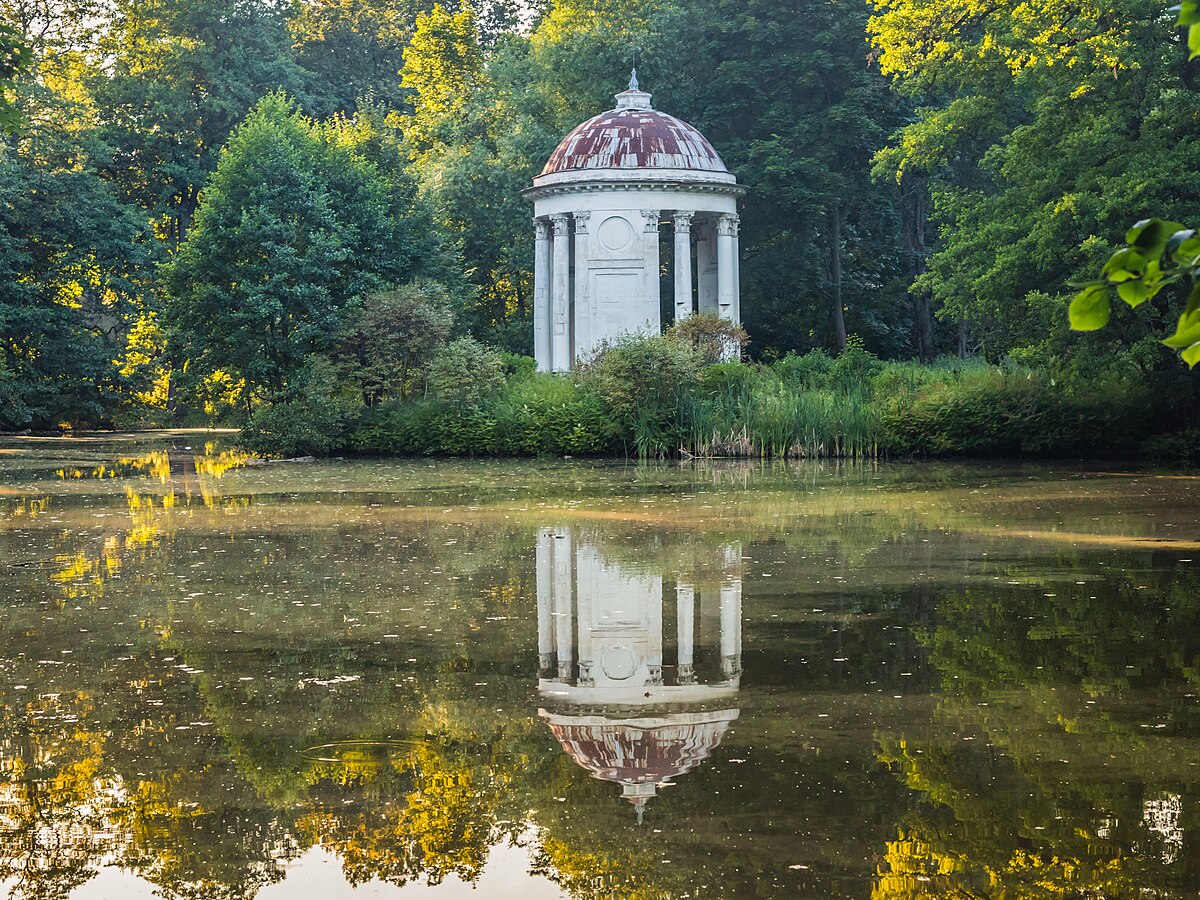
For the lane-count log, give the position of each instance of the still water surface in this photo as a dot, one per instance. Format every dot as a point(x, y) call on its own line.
point(556, 679)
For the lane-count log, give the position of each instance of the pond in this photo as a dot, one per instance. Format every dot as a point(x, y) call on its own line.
point(222, 679)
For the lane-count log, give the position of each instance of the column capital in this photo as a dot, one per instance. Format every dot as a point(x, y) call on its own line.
point(683, 222)
point(562, 224)
point(541, 229)
point(729, 225)
point(652, 216)
point(581, 221)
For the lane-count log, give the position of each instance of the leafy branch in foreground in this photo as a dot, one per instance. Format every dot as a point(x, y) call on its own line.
point(1189, 18)
point(1157, 254)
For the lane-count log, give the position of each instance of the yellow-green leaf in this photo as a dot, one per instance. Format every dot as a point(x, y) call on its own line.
point(1091, 309)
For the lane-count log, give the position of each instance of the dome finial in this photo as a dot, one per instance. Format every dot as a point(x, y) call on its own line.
point(633, 82)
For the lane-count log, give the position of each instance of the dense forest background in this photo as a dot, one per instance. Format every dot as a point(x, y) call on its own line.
point(211, 204)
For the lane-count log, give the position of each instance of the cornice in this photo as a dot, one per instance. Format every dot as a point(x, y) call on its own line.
point(535, 193)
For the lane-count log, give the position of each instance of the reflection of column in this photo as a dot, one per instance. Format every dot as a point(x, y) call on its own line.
point(561, 296)
point(586, 560)
point(685, 598)
point(727, 267)
point(564, 593)
point(654, 652)
point(683, 265)
point(542, 325)
point(545, 601)
point(731, 620)
point(651, 315)
point(582, 315)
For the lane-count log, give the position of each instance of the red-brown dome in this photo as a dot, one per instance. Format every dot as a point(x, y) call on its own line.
point(634, 136)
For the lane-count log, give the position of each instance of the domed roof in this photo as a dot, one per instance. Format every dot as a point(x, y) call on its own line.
point(635, 136)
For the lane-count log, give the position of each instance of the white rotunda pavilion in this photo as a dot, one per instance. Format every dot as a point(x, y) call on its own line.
point(598, 207)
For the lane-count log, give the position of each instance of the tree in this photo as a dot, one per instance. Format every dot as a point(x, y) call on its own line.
point(388, 336)
point(1156, 255)
point(15, 57)
point(791, 103)
point(293, 225)
point(73, 257)
point(1036, 127)
point(350, 50)
point(180, 75)
point(443, 63)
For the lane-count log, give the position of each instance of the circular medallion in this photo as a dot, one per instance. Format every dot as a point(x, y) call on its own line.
point(615, 234)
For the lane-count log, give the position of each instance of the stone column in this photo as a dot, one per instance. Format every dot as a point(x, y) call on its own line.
point(542, 325)
point(545, 601)
point(727, 267)
point(583, 303)
point(683, 265)
point(651, 314)
point(685, 600)
point(706, 268)
point(561, 295)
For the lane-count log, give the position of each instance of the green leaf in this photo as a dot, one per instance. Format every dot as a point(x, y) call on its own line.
point(1189, 13)
point(1188, 252)
point(1091, 309)
point(1125, 264)
point(1137, 292)
point(1150, 236)
point(1193, 42)
point(1191, 314)
point(1179, 238)
point(1191, 355)
point(1184, 337)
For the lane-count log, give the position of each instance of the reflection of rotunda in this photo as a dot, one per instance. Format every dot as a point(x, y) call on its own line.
point(627, 705)
point(598, 207)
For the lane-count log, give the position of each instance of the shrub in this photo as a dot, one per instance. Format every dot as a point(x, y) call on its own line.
point(465, 371)
point(717, 340)
point(807, 372)
point(387, 338)
point(312, 419)
point(852, 370)
point(641, 379)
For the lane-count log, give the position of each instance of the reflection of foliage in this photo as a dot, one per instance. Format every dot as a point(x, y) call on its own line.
point(431, 816)
point(1043, 776)
point(52, 798)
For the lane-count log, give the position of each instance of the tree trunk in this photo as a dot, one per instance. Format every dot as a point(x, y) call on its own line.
point(188, 200)
point(835, 275)
point(916, 217)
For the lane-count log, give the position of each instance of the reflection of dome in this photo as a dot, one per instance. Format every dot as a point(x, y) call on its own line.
point(640, 754)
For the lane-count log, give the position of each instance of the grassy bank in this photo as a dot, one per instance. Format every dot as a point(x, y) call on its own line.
point(655, 398)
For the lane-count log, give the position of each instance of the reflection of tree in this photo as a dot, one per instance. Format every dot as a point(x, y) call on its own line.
point(53, 800)
point(1056, 767)
point(432, 813)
